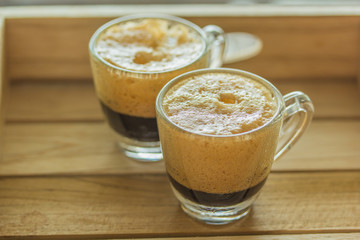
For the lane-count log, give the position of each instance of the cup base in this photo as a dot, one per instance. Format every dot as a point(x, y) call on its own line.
point(215, 215)
point(143, 153)
point(139, 150)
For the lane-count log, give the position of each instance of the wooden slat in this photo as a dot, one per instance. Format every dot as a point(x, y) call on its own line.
point(75, 101)
point(339, 236)
point(300, 47)
point(143, 205)
point(3, 83)
point(66, 148)
point(57, 48)
point(53, 101)
point(212, 10)
point(331, 99)
point(88, 148)
point(327, 145)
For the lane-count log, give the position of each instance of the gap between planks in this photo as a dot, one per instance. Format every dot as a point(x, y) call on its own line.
point(319, 236)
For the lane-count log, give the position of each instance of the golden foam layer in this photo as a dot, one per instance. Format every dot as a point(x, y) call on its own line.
point(219, 104)
point(149, 45)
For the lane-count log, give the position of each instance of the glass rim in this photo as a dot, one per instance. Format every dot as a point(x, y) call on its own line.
point(104, 27)
point(279, 99)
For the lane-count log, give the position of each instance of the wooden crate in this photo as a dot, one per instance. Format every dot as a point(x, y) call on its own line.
point(61, 175)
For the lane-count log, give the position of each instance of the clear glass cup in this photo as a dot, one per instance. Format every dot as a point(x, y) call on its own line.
point(243, 160)
point(133, 92)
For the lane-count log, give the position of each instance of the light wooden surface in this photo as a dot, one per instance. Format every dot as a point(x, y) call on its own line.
point(142, 204)
point(88, 148)
point(62, 176)
point(298, 47)
point(339, 236)
point(76, 100)
point(3, 82)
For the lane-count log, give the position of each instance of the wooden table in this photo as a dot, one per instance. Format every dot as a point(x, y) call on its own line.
point(62, 176)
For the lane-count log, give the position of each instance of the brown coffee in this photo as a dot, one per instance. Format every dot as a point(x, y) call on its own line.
point(208, 158)
point(138, 128)
point(141, 56)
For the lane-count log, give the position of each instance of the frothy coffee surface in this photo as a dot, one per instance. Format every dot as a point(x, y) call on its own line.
point(149, 45)
point(219, 104)
point(155, 50)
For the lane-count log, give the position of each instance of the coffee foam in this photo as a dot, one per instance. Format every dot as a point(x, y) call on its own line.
point(221, 162)
point(147, 46)
point(219, 104)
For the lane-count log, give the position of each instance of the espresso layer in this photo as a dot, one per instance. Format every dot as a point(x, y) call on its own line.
point(142, 129)
point(213, 199)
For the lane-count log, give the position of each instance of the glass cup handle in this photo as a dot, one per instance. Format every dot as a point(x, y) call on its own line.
point(216, 44)
point(298, 114)
point(230, 47)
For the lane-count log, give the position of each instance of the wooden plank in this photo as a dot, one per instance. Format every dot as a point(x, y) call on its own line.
point(299, 47)
point(66, 148)
point(331, 99)
point(53, 101)
point(294, 47)
point(57, 48)
point(327, 145)
point(89, 148)
point(3, 83)
point(358, 77)
point(339, 236)
point(218, 10)
point(76, 101)
point(143, 205)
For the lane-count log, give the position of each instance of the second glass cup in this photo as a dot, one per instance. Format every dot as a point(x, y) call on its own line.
point(132, 58)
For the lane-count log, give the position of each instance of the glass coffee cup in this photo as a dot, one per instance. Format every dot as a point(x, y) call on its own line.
point(133, 57)
point(220, 130)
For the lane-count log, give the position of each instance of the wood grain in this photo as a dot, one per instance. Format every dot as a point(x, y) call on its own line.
point(212, 10)
point(327, 145)
point(3, 83)
point(57, 48)
point(77, 101)
point(331, 99)
point(339, 236)
point(301, 47)
point(143, 205)
point(53, 101)
point(66, 148)
point(89, 148)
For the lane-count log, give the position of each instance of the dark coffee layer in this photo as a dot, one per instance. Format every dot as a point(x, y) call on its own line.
point(213, 199)
point(141, 129)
